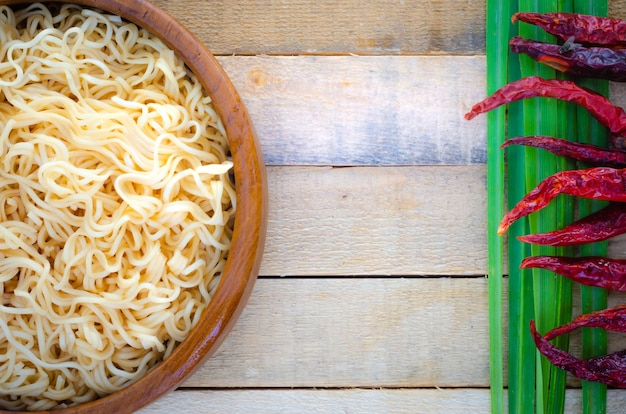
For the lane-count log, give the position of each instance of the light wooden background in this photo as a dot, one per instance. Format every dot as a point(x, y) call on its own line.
point(372, 296)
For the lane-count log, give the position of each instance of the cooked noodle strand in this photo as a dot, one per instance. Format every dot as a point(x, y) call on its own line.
point(116, 205)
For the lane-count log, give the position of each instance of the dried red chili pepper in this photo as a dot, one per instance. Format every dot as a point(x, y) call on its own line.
point(591, 154)
point(596, 271)
point(584, 28)
point(611, 116)
point(601, 225)
point(608, 369)
point(574, 59)
point(611, 319)
point(600, 183)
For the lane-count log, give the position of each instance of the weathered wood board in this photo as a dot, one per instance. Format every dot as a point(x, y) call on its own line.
point(363, 110)
point(355, 401)
point(376, 221)
point(372, 291)
point(379, 27)
point(399, 221)
point(375, 110)
point(362, 332)
point(336, 332)
point(251, 27)
point(347, 332)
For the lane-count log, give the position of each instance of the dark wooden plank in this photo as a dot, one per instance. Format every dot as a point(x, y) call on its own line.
point(250, 27)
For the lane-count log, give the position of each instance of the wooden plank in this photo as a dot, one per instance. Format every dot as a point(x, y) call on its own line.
point(378, 27)
point(359, 401)
point(249, 27)
point(356, 332)
point(379, 221)
point(246, 27)
point(380, 110)
point(347, 110)
point(362, 332)
point(376, 221)
point(409, 401)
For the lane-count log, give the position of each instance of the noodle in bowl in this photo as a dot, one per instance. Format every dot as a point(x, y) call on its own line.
point(118, 207)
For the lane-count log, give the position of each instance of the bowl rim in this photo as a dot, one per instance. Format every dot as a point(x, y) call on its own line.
point(239, 276)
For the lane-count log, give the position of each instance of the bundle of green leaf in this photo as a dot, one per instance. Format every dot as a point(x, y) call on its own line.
point(534, 179)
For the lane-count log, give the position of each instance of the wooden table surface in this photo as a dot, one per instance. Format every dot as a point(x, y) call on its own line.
point(372, 296)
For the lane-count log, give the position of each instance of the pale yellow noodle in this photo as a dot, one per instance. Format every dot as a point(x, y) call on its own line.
point(116, 207)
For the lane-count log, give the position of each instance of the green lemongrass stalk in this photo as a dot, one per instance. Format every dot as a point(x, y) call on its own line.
point(498, 22)
point(565, 207)
point(594, 341)
point(535, 297)
point(521, 360)
point(541, 117)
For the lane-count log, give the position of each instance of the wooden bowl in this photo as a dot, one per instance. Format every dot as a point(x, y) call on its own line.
point(246, 251)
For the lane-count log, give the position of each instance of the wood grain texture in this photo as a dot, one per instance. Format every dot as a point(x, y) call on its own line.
point(376, 221)
point(347, 110)
point(379, 27)
point(379, 221)
point(356, 332)
point(410, 208)
point(246, 27)
point(617, 9)
point(362, 332)
point(354, 401)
